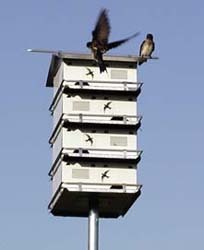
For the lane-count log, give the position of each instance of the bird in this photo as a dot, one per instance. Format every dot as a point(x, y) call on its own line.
point(146, 48)
point(104, 175)
point(100, 35)
point(90, 72)
point(89, 139)
point(107, 106)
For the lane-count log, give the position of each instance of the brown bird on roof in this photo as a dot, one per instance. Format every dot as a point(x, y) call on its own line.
point(146, 48)
point(99, 44)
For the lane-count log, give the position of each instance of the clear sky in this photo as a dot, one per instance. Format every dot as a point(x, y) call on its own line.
point(169, 213)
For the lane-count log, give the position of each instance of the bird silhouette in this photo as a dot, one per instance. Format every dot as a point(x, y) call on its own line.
point(146, 48)
point(99, 44)
point(107, 106)
point(104, 175)
point(90, 72)
point(89, 139)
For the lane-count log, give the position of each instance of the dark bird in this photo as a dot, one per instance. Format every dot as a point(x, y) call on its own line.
point(99, 44)
point(146, 48)
point(107, 106)
point(89, 139)
point(104, 175)
point(90, 72)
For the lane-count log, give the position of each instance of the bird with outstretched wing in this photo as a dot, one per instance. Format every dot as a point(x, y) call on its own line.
point(100, 35)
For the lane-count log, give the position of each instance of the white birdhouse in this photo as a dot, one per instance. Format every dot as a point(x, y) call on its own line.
point(94, 137)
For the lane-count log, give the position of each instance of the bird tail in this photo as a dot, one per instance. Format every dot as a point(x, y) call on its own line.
point(118, 43)
point(142, 60)
point(101, 63)
point(102, 66)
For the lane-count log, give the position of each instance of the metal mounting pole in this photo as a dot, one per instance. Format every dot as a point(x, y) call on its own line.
point(93, 224)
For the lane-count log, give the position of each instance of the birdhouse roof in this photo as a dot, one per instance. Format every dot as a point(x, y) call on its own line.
point(85, 60)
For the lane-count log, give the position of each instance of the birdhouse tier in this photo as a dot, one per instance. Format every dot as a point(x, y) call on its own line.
point(73, 66)
point(87, 142)
point(97, 108)
point(73, 172)
point(72, 199)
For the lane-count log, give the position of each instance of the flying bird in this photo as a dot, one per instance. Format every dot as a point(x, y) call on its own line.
point(99, 44)
point(107, 106)
point(89, 139)
point(90, 72)
point(104, 175)
point(146, 48)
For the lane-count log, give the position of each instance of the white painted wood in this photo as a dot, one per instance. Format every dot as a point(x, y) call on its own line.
point(94, 105)
point(81, 173)
point(80, 72)
point(93, 139)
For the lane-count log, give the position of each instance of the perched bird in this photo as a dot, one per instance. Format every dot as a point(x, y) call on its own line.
point(90, 72)
point(146, 48)
point(99, 44)
point(107, 106)
point(89, 139)
point(104, 175)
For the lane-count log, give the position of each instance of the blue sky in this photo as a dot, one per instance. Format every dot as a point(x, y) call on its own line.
point(169, 213)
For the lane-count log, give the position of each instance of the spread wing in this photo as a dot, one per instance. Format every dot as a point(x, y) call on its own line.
point(119, 42)
point(102, 28)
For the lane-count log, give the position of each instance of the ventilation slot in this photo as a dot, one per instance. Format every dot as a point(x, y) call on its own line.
point(118, 141)
point(119, 74)
point(80, 173)
point(81, 106)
